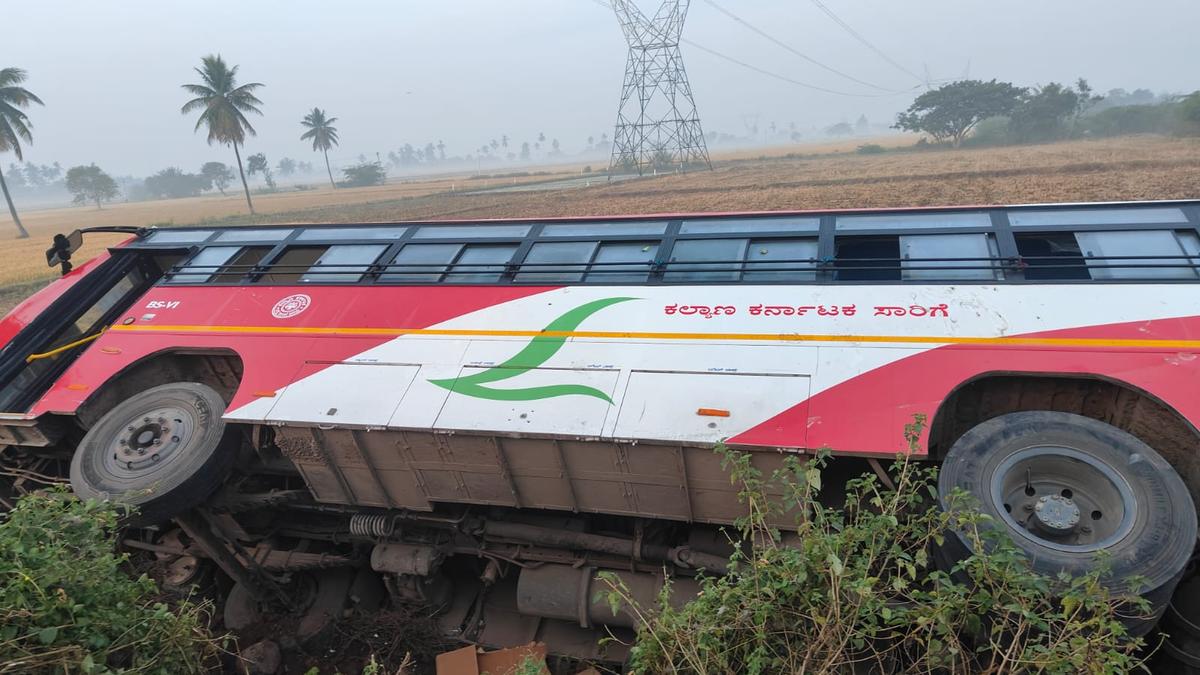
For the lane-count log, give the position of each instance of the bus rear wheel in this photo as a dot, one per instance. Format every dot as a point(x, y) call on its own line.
point(1065, 488)
point(162, 451)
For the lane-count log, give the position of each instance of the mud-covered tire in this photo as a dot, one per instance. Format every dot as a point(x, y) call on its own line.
point(1065, 487)
point(162, 451)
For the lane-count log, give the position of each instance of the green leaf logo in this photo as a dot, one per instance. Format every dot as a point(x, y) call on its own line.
point(538, 351)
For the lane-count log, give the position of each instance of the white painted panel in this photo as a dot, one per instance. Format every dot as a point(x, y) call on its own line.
point(345, 394)
point(659, 405)
point(573, 415)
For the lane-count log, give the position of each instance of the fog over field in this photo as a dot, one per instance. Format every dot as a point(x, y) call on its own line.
point(400, 71)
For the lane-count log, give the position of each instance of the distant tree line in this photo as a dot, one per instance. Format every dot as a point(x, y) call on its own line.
point(994, 113)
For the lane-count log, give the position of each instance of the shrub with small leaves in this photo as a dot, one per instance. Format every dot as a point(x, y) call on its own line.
point(69, 604)
point(854, 588)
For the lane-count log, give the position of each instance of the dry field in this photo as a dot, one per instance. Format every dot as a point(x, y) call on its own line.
point(1129, 168)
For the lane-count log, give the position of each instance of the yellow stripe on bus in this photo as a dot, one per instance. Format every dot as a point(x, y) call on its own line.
point(634, 335)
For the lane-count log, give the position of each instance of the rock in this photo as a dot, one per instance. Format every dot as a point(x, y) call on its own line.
point(261, 658)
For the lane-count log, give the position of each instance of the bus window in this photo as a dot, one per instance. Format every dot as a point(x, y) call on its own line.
point(543, 253)
point(781, 260)
point(480, 264)
point(918, 249)
point(604, 229)
point(206, 264)
point(639, 255)
point(738, 225)
point(292, 264)
point(343, 263)
point(706, 260)
point(913, 221)
point(416, 263)
point(1097, 246)
point(472, 232)
point(1051, 255)
point(244, 234)
point(868, 259)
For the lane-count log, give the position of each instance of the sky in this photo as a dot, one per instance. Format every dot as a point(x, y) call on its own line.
point(468, 71)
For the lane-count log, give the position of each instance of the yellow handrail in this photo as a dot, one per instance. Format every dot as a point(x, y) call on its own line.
point(55, 352)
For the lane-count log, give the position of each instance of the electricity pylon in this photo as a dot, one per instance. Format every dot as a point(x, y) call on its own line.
point(658, 127)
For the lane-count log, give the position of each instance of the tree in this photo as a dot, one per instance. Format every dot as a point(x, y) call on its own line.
point(949, 112)
point(14, 127)
point(91, 184)
point(441, 150)
point(217, 174)
point(1050, 112)
point(171, 183)
point(367, 173)
point(323, 135)
point(1189, 112)
point(224, 105)
point(525, 151)
point(286, 166)
point(258, 163)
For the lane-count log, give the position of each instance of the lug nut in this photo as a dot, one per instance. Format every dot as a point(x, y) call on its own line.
point(174, 439)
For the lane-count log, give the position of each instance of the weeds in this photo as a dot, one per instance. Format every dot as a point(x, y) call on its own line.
point(68, 604)
point(855, 589)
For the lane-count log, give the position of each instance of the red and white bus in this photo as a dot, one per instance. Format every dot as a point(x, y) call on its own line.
point(551, 389)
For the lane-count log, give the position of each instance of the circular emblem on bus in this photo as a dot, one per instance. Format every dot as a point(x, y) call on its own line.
point(291, 306)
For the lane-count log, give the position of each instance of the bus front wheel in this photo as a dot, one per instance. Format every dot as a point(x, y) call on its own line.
point(162, 451)
point(1066, 488)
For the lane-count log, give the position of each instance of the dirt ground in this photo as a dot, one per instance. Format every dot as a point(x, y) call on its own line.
point(800, 177)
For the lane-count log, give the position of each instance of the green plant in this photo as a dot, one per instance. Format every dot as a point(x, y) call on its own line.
point(871, 149)
point(856, 589)
point(362, 175)
point(69, 604)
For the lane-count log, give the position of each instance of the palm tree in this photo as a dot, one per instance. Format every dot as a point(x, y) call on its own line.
point(323, 134)
point(14, 127)
point(224, 105)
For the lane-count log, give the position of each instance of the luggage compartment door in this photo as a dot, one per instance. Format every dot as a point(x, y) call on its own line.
point(706, 407)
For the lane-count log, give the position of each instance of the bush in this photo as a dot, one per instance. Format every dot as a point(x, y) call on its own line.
point(871, 149)
point(992, 131)
point(362, 175)
point(1189, 114)
point(68, 604)
point(1130, 119)
point(856, 590)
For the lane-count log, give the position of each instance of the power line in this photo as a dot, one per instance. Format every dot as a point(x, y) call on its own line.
point(860, 38)
point(782, 78)
point(788, 47)
point(768, 73)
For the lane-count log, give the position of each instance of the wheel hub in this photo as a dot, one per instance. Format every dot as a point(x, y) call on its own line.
point(152, 438)
point(1056, 514)
point(1063, 498)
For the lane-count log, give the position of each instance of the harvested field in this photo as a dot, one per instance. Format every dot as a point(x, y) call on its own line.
point(1129, 168)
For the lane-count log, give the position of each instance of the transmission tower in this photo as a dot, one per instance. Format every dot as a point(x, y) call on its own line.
point(658, 127)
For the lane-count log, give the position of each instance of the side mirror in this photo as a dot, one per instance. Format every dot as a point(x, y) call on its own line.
point(60, 252)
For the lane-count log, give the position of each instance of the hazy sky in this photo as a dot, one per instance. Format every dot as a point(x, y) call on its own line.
point(468, 71)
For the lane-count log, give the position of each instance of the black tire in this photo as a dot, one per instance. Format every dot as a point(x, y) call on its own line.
point(1065, 486)
point(163, 451)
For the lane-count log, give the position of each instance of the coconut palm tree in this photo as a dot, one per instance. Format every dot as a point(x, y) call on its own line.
point(224, 105)
point(323, 134)
point(14, 127)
